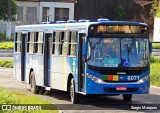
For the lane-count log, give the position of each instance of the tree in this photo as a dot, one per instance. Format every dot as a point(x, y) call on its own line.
point(4, 9)
point(120, 13)
point(155, 10)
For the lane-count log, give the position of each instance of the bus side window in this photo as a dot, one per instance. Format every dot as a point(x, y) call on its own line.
point(40, 43)
point(30, 43)
point(73, 43)
point(36, 42)
point(65, 43)
point(18, 42)
point(55, 42)
point(62, 34)
point(53, 47)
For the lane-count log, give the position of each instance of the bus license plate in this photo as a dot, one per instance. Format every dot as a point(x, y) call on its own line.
point(121, 88)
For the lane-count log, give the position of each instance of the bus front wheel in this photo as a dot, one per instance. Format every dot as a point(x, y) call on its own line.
point(74, 96)
point(34, 88)
point(127, 97)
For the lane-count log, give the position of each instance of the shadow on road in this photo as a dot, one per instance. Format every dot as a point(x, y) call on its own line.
point(88, 102)
point(94, 102)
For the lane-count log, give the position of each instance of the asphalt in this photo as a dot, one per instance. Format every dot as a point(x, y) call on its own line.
point(88, 104)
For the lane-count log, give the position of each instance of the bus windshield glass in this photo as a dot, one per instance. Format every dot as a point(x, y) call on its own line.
point(118, 52)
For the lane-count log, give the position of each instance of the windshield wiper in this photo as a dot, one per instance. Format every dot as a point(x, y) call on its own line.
point(96, 43)
point(94, 47)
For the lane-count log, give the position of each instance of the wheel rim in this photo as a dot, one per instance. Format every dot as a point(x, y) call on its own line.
point(32, 84)
point(71, 91)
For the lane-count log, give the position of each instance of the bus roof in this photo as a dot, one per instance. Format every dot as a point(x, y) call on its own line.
point(78, 25)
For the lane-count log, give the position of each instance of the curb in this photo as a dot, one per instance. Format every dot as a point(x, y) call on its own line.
point(158, 87)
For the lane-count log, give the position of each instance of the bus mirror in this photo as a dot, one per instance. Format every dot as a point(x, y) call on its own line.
point(150, 47)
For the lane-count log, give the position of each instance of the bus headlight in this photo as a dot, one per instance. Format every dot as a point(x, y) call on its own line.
point(143, 79)
point(95, 79)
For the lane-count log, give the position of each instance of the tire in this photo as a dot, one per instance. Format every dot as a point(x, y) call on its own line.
point(34, 88)
point(74, 96)
point(41, 90)
point(127, 97)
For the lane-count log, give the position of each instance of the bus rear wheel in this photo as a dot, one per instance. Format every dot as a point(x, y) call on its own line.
point(34, 88)
point(127, 97)
point(74, 96)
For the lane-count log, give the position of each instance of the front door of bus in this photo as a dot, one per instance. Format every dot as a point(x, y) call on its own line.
point(23, 54)
point(81, 64)
point(47, 59)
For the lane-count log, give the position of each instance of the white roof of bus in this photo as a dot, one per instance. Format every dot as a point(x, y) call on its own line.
point(69, 26)
point(61, 26)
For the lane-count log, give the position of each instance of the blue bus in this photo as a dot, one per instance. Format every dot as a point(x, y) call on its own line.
point(100, 57)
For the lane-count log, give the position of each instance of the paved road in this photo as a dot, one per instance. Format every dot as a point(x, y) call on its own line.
point(87, 102)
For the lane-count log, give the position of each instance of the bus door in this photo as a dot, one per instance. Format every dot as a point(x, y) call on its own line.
point(47, 59)
point(23, 54)
point(81, 63)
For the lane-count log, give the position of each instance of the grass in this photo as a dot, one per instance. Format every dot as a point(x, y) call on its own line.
point(155, 59)
point(7, 45)
point(13, 97)
point(155, 46)
point(6, 63)
point(155, 70)
point(155, 74)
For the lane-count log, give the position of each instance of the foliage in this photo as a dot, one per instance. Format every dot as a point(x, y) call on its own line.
point(155, 59)
point(119, 12)
point(155, 10)
point(4, 10)
point(6, 97)
point(155, 46)
point(3, 37)
point(155, 74)
point(6, 45)
point(6, 63)
point(13, 97)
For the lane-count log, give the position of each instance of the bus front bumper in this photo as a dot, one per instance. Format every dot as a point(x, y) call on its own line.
point(117, 88)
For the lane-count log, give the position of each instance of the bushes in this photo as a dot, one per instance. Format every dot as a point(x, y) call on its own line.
point(6, 63)
point(155, 46)
point(155, 59)
point(6, 45)
point(155, 74)
point(3, 37)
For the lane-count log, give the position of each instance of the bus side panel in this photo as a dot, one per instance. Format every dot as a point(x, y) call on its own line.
point(60, 71)
point(17, 61)
point(29, 66)
point(38, 69)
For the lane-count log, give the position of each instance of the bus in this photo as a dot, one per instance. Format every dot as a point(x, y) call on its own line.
point(99, 57)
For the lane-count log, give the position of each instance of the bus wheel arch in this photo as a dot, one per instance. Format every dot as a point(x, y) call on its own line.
point(71, 89)
point(30, 74)
point(73, 95)
point(70, 76)
point(34, 87)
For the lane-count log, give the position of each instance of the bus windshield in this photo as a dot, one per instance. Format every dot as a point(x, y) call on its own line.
point(118, 52)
